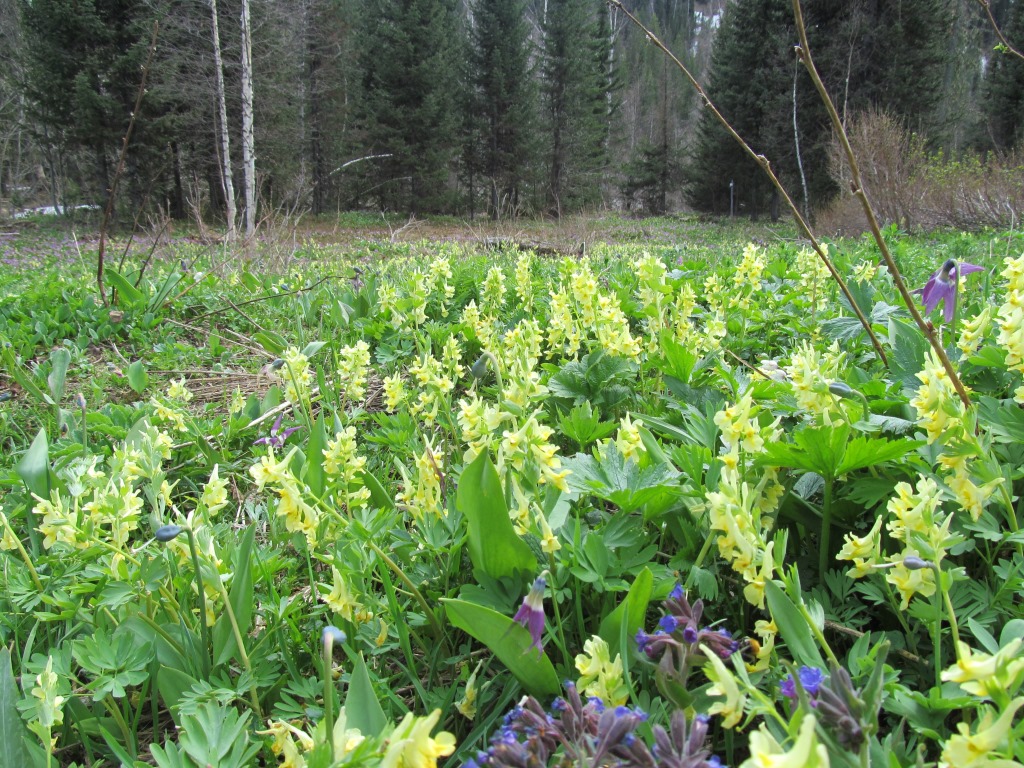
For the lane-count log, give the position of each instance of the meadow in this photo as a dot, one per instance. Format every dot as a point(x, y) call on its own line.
point(613, 492)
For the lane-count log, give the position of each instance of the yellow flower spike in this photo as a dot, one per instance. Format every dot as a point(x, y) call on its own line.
point(967, 750)
point(724, 684)
point(411, 745)
point(766, 752)
point(863, 551)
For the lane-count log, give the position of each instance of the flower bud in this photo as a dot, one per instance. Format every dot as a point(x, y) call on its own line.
point(167, 533)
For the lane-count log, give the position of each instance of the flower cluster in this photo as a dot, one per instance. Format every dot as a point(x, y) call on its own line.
point(299, 516)
point(297, 376)
point(593, 733)
point(425, 495)
point(600, 676)
point(353, 368)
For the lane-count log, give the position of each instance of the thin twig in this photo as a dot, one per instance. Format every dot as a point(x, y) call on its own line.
point(999, 33)
point(804, 52)
point(108, 211)
point(269, 296)
point(765, 166)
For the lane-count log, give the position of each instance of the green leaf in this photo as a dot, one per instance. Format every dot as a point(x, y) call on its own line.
point(25, 380)
point(315, 476)
point(12, 728)
point(584, 426)
point(242, 602)
point(380, 497)
point(621, 481)
point(60, 359)
point(34, 467)
point(137, 377)
point(862, 452)
point(509, 641)
point(129, 294)
point(218, 735)
point(312, 348)
point(362, 709)
point(631, 612)
point(494, 546)
point(792, 627)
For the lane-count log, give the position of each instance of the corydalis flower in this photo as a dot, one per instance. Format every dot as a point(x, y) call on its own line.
point(277, 436)
point(942, 287)
point(531, 612)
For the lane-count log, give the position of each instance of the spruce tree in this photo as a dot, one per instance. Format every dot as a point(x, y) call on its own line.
point(575, 82)
point(409, 78)
point(504, 100)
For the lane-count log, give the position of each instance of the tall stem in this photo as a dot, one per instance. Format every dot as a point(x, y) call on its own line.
point(826, 527)
point(804, 51)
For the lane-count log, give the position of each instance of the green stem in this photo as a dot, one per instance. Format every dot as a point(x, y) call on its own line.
point(203, 629)
point(712, 535)
point(826, 528)
point(937, 630)
point(555, 609)
point(253, 693)
point(818, 635)
point(24, 555)
point(328, 659)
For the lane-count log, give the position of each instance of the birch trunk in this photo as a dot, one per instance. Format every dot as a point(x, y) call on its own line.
point(248, 143)
point(227, 184)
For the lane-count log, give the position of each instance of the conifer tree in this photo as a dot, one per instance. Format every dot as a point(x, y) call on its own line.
point(409, 78)
point(504, 99)
point(575, 83)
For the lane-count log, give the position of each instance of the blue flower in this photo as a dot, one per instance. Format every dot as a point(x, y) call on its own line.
point(811, 678)
point(942, 286)
point(531, 613)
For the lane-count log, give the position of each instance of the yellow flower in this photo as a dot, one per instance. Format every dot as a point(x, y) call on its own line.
point(340, 599)
point(766, 752)
point(862, 550)
point(986, 675)
point(467, 704)
point(215, 495)
point(965, 750)
point(724, 685)
point(411, 745)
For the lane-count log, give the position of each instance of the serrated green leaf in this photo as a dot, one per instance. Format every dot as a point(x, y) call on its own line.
point(621, 481)
point(494, 546)
point(507, 640)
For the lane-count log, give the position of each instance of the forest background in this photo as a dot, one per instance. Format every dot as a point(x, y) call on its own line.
point(491, 107)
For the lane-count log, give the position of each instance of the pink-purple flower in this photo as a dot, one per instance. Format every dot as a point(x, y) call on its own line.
point(277, 436)
point(531, 612)
point(941, 287)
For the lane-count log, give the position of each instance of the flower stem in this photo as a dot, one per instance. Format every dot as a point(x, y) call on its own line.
point(826, 528)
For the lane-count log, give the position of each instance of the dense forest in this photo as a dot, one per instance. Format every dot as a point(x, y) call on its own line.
point(247, 108)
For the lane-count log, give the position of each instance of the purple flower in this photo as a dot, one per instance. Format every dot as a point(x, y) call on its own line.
point(277, 436)
point(531, 612)
point(942, 287)
point(811, 679)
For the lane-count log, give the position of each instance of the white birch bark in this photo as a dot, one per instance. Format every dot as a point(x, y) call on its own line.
point(227, 184)
point(248, 142)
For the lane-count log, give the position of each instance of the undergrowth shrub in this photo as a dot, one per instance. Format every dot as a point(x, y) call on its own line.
point(919, 190)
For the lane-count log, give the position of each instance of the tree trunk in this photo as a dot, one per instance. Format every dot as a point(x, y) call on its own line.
point(227, 185)
point(248, 142)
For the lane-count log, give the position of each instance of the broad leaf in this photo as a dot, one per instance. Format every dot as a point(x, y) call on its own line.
point(137, 377)
point(34, 467)
point(242, 602)
point(792, 626)
point(510, 642)
point(362, 709)
point(629, 613)
point(12, 728)
point(494, 546)
point(60, 359)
